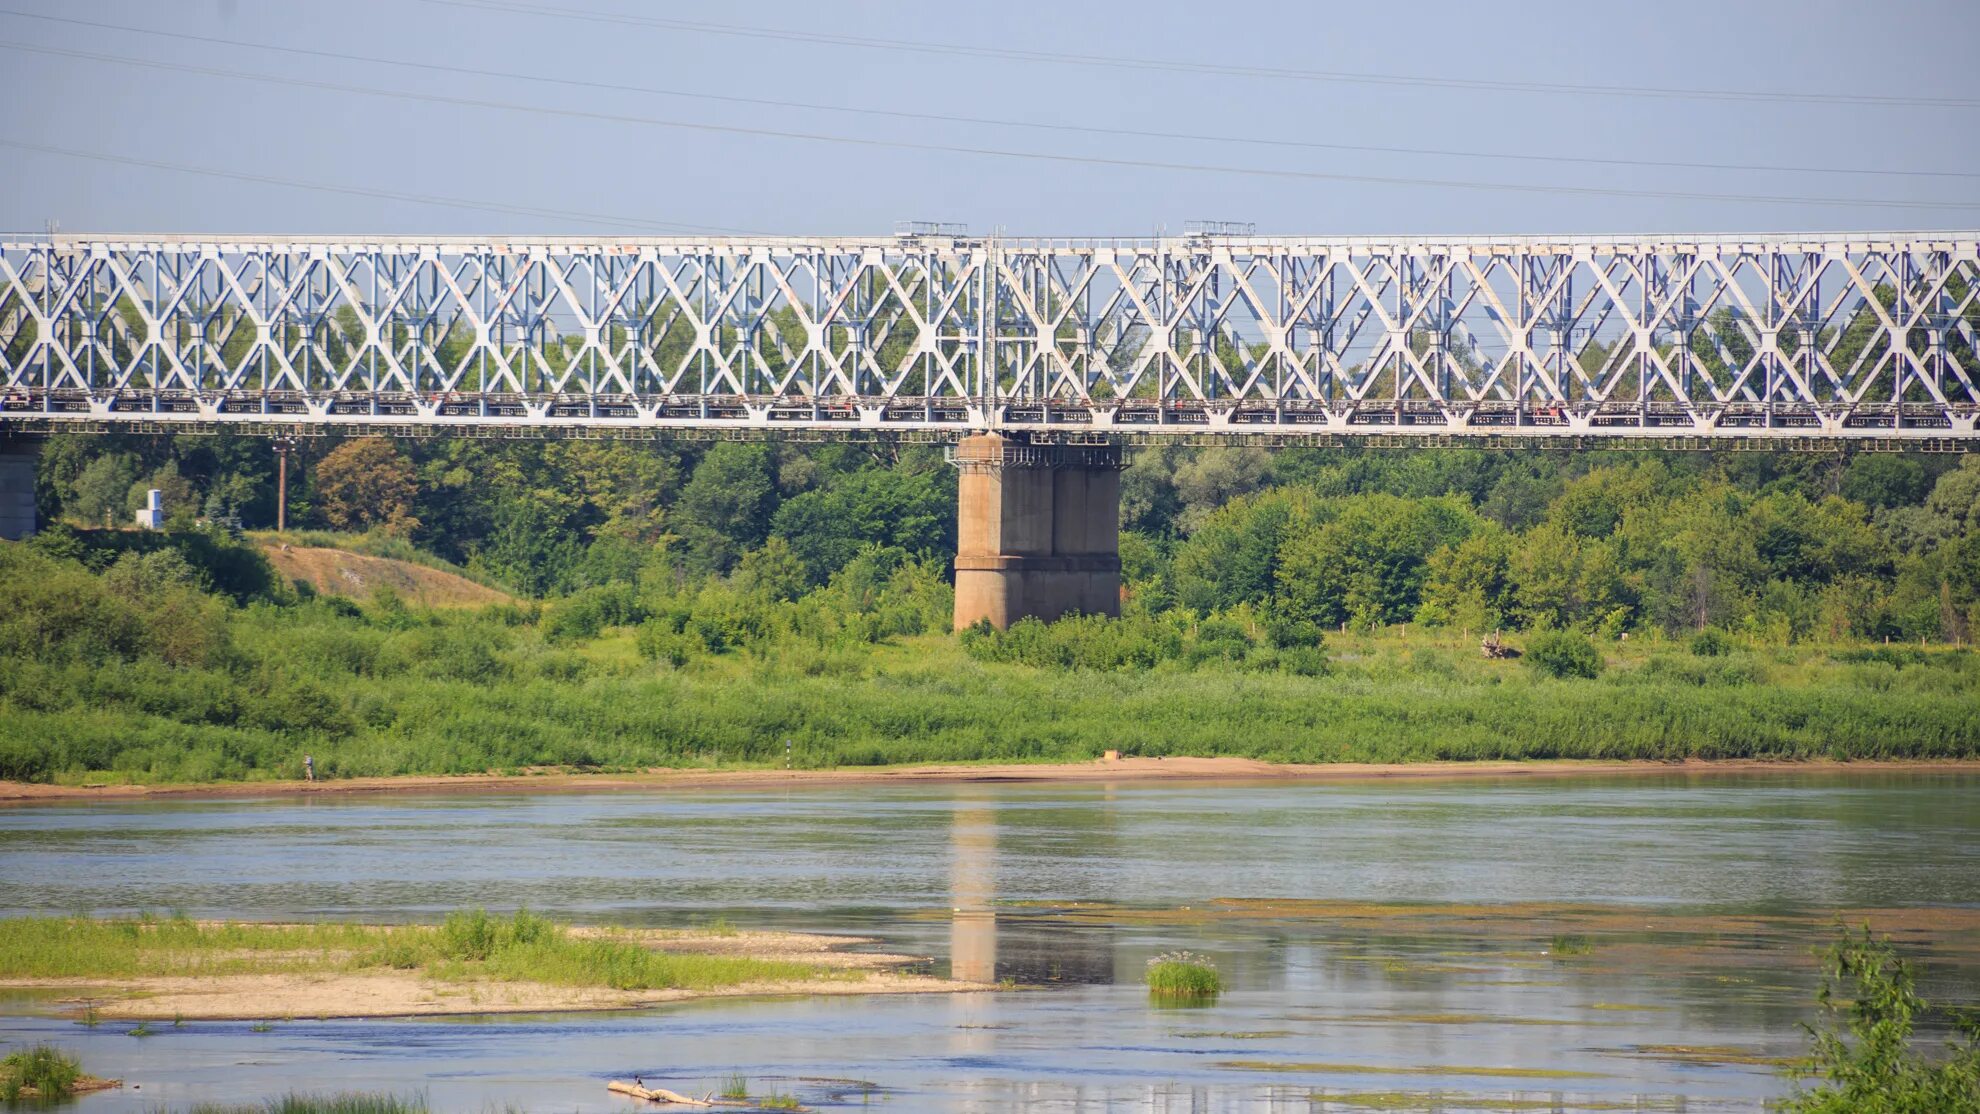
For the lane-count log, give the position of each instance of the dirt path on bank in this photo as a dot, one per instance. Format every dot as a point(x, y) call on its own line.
point(1234, 770)
point(373, 992)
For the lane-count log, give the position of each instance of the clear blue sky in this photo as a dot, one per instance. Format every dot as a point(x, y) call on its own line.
point(559, 166)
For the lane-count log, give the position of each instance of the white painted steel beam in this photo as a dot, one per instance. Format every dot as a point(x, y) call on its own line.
point(1749, 337)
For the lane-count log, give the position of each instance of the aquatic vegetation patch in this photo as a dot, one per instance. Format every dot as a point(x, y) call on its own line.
point(344, 1102)
point(1451, 1101)
point(1440, 1019)
point(40, 1072)
point(1725, 1054)
point(468, 945)
point(1293, 1067)
point(1183, 974)
point(1241, 1035)
point(1562, 945)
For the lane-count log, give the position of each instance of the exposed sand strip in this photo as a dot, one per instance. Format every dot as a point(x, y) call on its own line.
point(380, 993)
point(1236, 770)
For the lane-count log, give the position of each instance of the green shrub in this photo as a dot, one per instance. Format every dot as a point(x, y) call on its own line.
point(469, 934)
point(1711, 643)
point(658, 640)
point(1562, 653)
point(1897, 657)
point(583, 614)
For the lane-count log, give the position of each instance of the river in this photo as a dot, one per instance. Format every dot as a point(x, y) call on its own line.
point(1633, 943)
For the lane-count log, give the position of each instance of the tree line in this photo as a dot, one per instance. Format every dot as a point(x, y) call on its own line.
point(1777, 547)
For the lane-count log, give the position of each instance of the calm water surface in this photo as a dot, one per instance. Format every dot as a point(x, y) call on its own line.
point(1461, 999)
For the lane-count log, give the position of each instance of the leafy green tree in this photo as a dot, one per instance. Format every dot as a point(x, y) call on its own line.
point(725, 509)
point(910, 510)
point(1864, 1055)
point(773, 572)
point(1470, 584)
point(531, 548)
point(1364, 560)
point(1233, 557)
point(1881, 480)
point(101, 489)
point(365, 483)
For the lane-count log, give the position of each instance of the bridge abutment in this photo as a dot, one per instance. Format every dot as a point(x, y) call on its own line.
point(1038, 530)
point(17, 467)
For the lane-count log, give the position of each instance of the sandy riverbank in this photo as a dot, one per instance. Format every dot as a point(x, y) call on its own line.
point(388, 993)
point(1120, 770)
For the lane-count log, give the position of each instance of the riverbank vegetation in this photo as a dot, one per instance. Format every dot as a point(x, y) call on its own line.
point(470, 945)
point(1865, 1056)
point(39, 1072)
point(682, 605)
point(343, 1102)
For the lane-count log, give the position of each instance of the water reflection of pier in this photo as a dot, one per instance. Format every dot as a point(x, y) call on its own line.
point(986, 945)
point(973, 887)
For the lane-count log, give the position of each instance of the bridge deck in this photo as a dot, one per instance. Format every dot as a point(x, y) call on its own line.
point(1772, 339)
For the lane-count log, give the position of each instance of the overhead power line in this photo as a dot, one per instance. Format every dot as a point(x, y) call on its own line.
point(993, 152)
point(633, 224)
point(1169, 65)
point(989, 121)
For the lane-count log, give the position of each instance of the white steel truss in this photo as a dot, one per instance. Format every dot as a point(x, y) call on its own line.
point(1823, 336)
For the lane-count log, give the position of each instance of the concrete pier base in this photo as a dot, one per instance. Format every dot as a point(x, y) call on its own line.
point(1038, 531)
point(17, 463)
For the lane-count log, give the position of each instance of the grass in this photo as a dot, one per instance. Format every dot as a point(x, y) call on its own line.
point(1183, 975)
point(469, 945)
point(1570, 945)
point(467, 695)
point(95, 690)
point(735, 1087)
point(39, 1072)
point(346, 1102)
point(376, 543)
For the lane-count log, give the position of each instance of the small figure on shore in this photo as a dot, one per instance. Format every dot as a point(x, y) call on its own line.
point(309, 768)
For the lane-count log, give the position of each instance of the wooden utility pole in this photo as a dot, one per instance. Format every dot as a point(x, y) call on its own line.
point(284, 445)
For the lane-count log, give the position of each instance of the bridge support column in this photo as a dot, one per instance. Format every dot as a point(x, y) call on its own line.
point(17, 464)
point(1038, 531)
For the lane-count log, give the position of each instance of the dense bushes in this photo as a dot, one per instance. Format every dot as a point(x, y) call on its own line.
point(1143, 642)
point(1560, 653)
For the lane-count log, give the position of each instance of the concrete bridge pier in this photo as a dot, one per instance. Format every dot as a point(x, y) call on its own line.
point(17, 464)
point(1038, 531)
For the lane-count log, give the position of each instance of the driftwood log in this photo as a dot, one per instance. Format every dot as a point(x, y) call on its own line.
point(675, 1098)
point(656, 1094)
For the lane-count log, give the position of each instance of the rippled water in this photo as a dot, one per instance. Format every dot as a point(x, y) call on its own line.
point(1384, 941)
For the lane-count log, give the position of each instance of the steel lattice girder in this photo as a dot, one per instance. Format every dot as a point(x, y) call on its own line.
point(1828, 336)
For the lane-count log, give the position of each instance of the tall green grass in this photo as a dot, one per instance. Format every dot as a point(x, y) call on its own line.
point(40, 1072)
point(1183, 975)
point(96, 687)
point(469, 945)
point(346, 1102)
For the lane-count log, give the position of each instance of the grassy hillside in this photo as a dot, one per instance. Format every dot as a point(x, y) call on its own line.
point(339, 572)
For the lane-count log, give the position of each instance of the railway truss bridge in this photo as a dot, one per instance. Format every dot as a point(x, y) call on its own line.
point(1038, 357)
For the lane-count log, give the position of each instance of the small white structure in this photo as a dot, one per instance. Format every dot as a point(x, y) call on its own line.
point(152, 516)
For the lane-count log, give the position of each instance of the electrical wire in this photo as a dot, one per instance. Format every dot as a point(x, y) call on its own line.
point(600, 219)
point(1177, 66)
point(993, 152)
point(948, 118)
